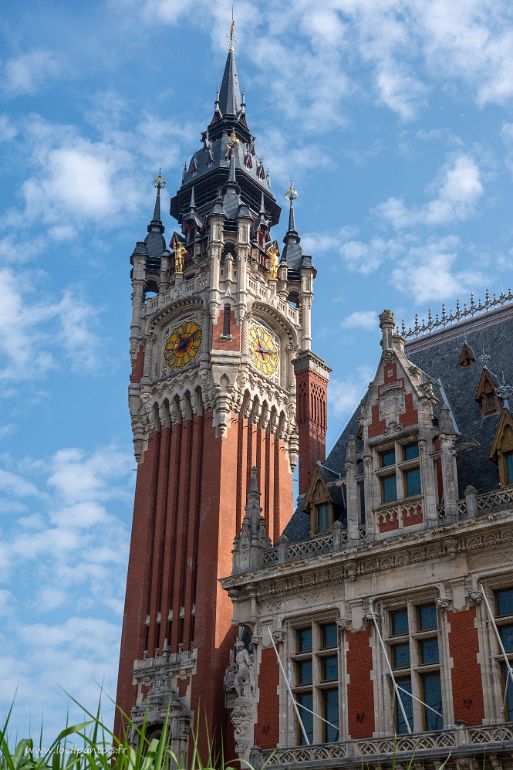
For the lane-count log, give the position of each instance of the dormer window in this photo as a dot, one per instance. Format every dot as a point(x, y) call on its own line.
point(501, 451)
point(508, 462)
point(323, 517)
point(486, 394)
point(399, 472)
point(467, 356)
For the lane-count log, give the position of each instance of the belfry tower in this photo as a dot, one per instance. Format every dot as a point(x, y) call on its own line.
point(220, 324)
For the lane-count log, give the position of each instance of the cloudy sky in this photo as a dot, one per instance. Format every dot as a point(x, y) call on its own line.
point(394, 119)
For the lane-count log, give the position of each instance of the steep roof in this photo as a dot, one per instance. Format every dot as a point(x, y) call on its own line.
point(490, 337)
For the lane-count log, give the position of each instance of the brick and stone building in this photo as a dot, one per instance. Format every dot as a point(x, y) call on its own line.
point(383, 604)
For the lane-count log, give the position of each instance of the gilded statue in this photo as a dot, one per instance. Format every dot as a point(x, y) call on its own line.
point(179, 252)
point(273, 253)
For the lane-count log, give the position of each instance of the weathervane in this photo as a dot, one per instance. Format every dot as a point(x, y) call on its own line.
point(291, 194)
point(231, 37)
point(159, 182)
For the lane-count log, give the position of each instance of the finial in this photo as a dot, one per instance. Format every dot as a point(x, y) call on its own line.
point(159, 182)
point(291, 193)
point(231, 36)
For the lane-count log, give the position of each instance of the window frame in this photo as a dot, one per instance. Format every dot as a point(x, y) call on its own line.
point(414, 636)
point(399, 469)
point(319, 686)
point(503, 621)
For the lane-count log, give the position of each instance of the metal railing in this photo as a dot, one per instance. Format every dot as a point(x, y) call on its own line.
point(439, 743)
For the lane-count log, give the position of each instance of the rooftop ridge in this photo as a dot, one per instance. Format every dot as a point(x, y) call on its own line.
point(423, 327)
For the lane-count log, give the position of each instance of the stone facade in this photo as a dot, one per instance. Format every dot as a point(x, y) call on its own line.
point(218, 322)
point(308, 638)
point(432, 550)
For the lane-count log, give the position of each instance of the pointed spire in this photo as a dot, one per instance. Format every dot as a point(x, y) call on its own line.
point(154, 241)
point(292, 253)
point(291, 196)
point(262, 204)
point(230, 99)
point(192, 204)
point(159, 182)
point(253, 485)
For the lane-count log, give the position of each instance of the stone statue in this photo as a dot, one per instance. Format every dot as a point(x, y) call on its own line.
point(243, 664)
point(272, 252)
point(179, 251)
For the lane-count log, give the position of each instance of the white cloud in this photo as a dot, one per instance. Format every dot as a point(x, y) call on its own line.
point(361, 319)
point(346, 394)
point(429, 272)
point(7, 129)
point(73, 545)
point(400, 91)
point(27, 73)
point(13, 484)
point(458, 189)
point(30, 330)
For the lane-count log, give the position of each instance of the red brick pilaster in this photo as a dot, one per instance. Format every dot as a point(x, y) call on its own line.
point(467, 688)
point(360, 693)
point(311, 407)
point(267, 728)
point(139, 570)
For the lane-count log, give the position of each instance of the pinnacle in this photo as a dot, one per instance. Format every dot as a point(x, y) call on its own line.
point(230, 99)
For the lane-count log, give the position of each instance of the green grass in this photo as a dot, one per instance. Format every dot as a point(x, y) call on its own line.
point(91, 745)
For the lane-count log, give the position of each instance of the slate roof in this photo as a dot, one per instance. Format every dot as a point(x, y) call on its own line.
point(208, 168)
point(490, 336)
point(491, 339)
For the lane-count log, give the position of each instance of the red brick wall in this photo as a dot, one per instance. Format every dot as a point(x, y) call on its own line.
point(267, 728)
point(410, 415)
point(138, 366)
point(311, 404)
point(139, 565)
point(467, 687)
point(185, 520)
point(218, 343)
point(359, 689)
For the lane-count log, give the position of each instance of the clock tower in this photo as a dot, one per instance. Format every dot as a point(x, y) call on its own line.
point(220, 332)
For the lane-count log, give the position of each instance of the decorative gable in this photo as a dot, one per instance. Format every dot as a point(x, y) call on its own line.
point(486, 394)
point(319, 504)
point(394, 407)
point(467, 357)
point(501, 451)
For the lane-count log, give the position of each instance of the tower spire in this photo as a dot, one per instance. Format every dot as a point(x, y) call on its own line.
point(292, 253)
point(291, 196)
point(159, 182)
point(230, 99)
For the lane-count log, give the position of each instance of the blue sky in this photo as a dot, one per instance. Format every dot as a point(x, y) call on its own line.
point(394, 120)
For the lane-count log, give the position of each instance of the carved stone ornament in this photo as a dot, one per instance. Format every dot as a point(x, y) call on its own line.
point(245, 707)
point(391, 406)
point(279, 635)
point(475, 598)
point(443, 604)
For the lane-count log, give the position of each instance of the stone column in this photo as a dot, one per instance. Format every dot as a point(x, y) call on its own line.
point(353, 533)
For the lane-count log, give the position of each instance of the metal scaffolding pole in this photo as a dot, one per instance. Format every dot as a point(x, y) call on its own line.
point(396, 686)
point(305, 736)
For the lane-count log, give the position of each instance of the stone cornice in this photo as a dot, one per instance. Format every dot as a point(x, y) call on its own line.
point(482, 534)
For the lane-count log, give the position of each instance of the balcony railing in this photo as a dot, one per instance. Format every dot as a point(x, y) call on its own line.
point(459, 740)
point(407, 513)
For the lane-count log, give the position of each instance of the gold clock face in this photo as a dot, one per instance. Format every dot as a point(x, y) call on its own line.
point(263, 350)
point(182, 344)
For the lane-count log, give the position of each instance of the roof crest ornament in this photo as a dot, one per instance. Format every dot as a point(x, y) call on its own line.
point(232, 39)
point(422, 327)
